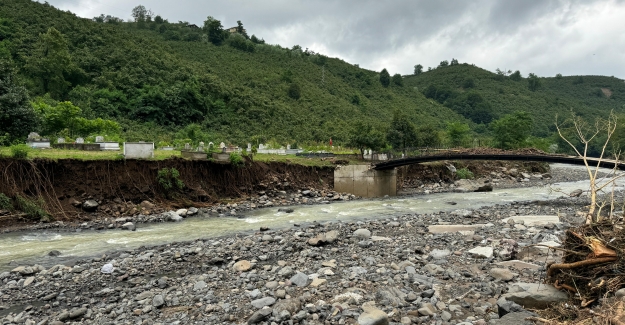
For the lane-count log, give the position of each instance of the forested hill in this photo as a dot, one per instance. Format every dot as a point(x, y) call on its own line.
point(483, 96)
point(156, 78)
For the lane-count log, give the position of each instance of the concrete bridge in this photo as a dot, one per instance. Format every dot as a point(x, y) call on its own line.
point(381, 179)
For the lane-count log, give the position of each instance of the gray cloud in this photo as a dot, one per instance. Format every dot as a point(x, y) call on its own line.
point(541, 36)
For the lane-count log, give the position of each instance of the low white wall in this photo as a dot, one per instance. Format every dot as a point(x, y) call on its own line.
point(38, 144)
point(109, 145)
point(139, 150)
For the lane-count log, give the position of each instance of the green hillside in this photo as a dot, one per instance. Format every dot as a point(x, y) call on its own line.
point(156, 78)
point(482, 96)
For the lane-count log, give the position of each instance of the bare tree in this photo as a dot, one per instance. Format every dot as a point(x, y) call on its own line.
point(586, 133)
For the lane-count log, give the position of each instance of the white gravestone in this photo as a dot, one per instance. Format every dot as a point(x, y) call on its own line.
point(80, 140)
point(249, 147)
point(187, 146)
point(33, 136)
point(60, 140)
point(261, 147)
point(288, 147)
point(222, 145)
point(99, 138)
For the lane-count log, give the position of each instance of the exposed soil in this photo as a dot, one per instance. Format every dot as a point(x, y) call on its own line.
point(64, 183)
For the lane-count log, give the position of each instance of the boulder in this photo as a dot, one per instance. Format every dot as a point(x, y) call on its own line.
point(482, 252)
point(299, 279)
point(129, 226)
point(242, 266)
point(372, 315)
point(534, 295)
point(292, 306)
point(502, 274)
point(362, 233)
point(259, 315)
point(262, 302)
point(90, 205)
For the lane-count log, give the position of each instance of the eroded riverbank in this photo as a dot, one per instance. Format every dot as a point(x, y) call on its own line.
point(276, 275)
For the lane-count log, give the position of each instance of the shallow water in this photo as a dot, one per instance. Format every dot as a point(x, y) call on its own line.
point(32, 247)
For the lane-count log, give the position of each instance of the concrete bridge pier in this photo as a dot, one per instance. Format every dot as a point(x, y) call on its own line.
point(363, 180)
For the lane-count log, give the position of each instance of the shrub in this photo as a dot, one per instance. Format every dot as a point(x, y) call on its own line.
point(464, 173)
point(169, 178)
point(236, 159)
point(5, 202)
point(20, 151)
point(34, 208)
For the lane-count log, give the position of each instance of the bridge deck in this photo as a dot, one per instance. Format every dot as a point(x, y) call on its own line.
point(459, 156)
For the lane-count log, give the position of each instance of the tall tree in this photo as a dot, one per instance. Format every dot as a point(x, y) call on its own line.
point(533, 82)
point(385, 78)
point(17, 117)
point(241, 30)
point(458, 132)
point(402, 133)
point(398, 80)
point(139, 13)
point(512, 130)
point(215, 31)
point(50, 63)
point(365, 136)
point(418, 69)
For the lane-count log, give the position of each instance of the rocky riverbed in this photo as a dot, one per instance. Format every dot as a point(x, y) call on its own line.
point(460, 267)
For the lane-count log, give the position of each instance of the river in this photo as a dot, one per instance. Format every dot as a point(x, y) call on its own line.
point(30, 247)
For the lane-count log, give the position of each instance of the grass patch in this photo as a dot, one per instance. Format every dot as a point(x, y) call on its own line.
point(293, 159)
point(56, 154)
point(464, 173)
point(5, 202)
point(20, 151)
point(34, 208)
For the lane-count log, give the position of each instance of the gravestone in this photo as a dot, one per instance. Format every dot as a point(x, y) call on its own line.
point(60, 140)
point(33, 136)
point(201, 147)
point(288, 147)
point(187, 146)
point(99, 138)
point(261, 147)
point(80, 140)
point(249, 147)
point(201, 143)
point(222, 145)
point(210, 144)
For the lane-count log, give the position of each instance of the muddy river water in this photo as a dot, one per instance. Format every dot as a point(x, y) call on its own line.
point(32, 247)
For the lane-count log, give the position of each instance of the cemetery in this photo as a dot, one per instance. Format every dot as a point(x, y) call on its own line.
point(96, 147)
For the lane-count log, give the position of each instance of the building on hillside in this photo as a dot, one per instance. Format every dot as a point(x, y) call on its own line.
point(193, 26)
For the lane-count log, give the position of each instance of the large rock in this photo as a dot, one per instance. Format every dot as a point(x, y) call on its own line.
point(90, 205)
point(259, 316)
point(502, 274)
point(534, 295)
point(372, 315)
point(129, 226)
point(262, 302)
point(390, 297)
point(469, 185)
point(292, 306)
point(482, 252)
point(299, 279)
point(172, 216)
point(362, 233)
point(242, 266)
point(439, 253)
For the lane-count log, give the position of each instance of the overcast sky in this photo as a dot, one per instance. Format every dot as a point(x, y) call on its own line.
point(546, 37)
